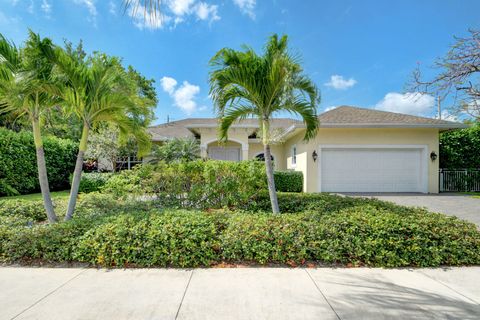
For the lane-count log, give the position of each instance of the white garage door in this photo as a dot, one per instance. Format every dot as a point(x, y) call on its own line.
point(372, 170)
point(224, 153)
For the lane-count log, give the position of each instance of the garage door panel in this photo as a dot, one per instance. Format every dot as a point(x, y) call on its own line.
point(371, 170)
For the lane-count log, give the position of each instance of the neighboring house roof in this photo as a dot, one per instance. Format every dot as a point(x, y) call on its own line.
point(340, 117)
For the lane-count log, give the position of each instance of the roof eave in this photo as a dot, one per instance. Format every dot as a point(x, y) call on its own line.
point(395, 125)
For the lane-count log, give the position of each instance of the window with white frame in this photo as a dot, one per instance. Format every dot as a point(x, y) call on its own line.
point(294, 155)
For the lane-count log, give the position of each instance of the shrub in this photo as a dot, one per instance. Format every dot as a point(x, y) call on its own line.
point(31, 210)
point(358, 232)
point(181, 239)
point(288, 181)
point(19, 165)
point(459, 149)
point(93, 181)
point(195, 184)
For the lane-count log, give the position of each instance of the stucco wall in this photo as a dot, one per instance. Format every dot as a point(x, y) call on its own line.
point(277, 151)
point(339, 136)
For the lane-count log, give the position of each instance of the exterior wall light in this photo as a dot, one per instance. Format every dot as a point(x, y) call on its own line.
point(433, 156)
point(314, 155)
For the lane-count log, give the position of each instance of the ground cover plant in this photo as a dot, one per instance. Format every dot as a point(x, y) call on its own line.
point(313, 228)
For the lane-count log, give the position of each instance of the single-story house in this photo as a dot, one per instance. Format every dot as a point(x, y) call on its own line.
point(355, 150)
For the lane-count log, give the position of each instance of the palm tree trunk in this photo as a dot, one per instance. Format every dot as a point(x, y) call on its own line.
point(270, 179)
point(42, 172)
point(77, 173)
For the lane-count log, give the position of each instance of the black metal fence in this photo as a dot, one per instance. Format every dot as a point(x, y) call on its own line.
point(459, 180)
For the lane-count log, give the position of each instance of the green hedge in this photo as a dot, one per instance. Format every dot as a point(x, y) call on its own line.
point(460, 149)
point(358, 236)
point(18, 164)
point(110, 232)
point(288, 181)
point(93, 181)
point(196, 184)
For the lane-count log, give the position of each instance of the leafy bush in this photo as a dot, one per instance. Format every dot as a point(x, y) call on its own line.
point(19, 165)
point(180, 239)
point(288, 181)
point(350, 231)
point(459, 149)
point(31, 210)
point(195, 184)
point(93, 181)
point(176, 150)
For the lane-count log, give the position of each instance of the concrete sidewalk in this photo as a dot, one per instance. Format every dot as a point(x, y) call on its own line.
point(243, 293)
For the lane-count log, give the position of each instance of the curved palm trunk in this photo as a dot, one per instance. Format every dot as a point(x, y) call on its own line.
point(270, 179)
point(42, 172)
point(77, 173)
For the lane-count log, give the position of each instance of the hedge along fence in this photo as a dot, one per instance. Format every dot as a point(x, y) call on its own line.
point(18, 162)
point(195, 184)
point(288, 181)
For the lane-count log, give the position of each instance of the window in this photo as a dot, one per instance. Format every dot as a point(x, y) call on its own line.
point(294, 155)
point(261, 157)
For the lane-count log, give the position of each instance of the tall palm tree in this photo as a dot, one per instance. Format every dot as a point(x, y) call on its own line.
point(98, 90)
point(24, 78)
point(244, 84)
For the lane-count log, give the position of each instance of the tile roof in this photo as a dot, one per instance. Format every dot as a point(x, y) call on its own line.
point(358, 116)
point(342, 116)
point(180, 128)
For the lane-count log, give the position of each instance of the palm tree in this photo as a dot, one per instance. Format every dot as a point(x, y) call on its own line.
point(97, 90)
point(24, 78)
point(244, 84)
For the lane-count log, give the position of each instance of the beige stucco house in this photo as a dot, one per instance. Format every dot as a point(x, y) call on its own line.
point(355, 150)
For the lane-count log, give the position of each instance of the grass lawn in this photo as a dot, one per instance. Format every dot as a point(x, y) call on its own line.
point(38, 196)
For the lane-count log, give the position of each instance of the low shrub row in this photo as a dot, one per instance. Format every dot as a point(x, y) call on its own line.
point(110, 233)
point(18, 174)
point(288, 181)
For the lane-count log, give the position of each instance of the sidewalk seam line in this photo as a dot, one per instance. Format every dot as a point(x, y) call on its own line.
point(323, 295)
point(48, 294)
point(184, 294)
point(447, 286)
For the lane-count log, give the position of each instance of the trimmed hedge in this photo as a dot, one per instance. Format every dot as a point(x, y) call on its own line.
point(352, 231)
point(288, 181)
point(18, 162)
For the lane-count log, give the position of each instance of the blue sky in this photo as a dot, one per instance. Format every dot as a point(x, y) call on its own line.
point(359, 53)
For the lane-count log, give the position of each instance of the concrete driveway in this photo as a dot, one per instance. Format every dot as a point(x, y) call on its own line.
point(455, 204)
point(241, 293)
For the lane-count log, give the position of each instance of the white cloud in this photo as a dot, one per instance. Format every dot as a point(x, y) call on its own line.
point(183, 97)
point(112, 7)
point(46, 7)
point(409, 103)
point(246, 6)
point(205, 11)
point(146, 19)
point(181, 7)
point(339, 83)
point(329, 108)
point(448, 116)
point(174, 13)
point(92, 10)
point(168, 84)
